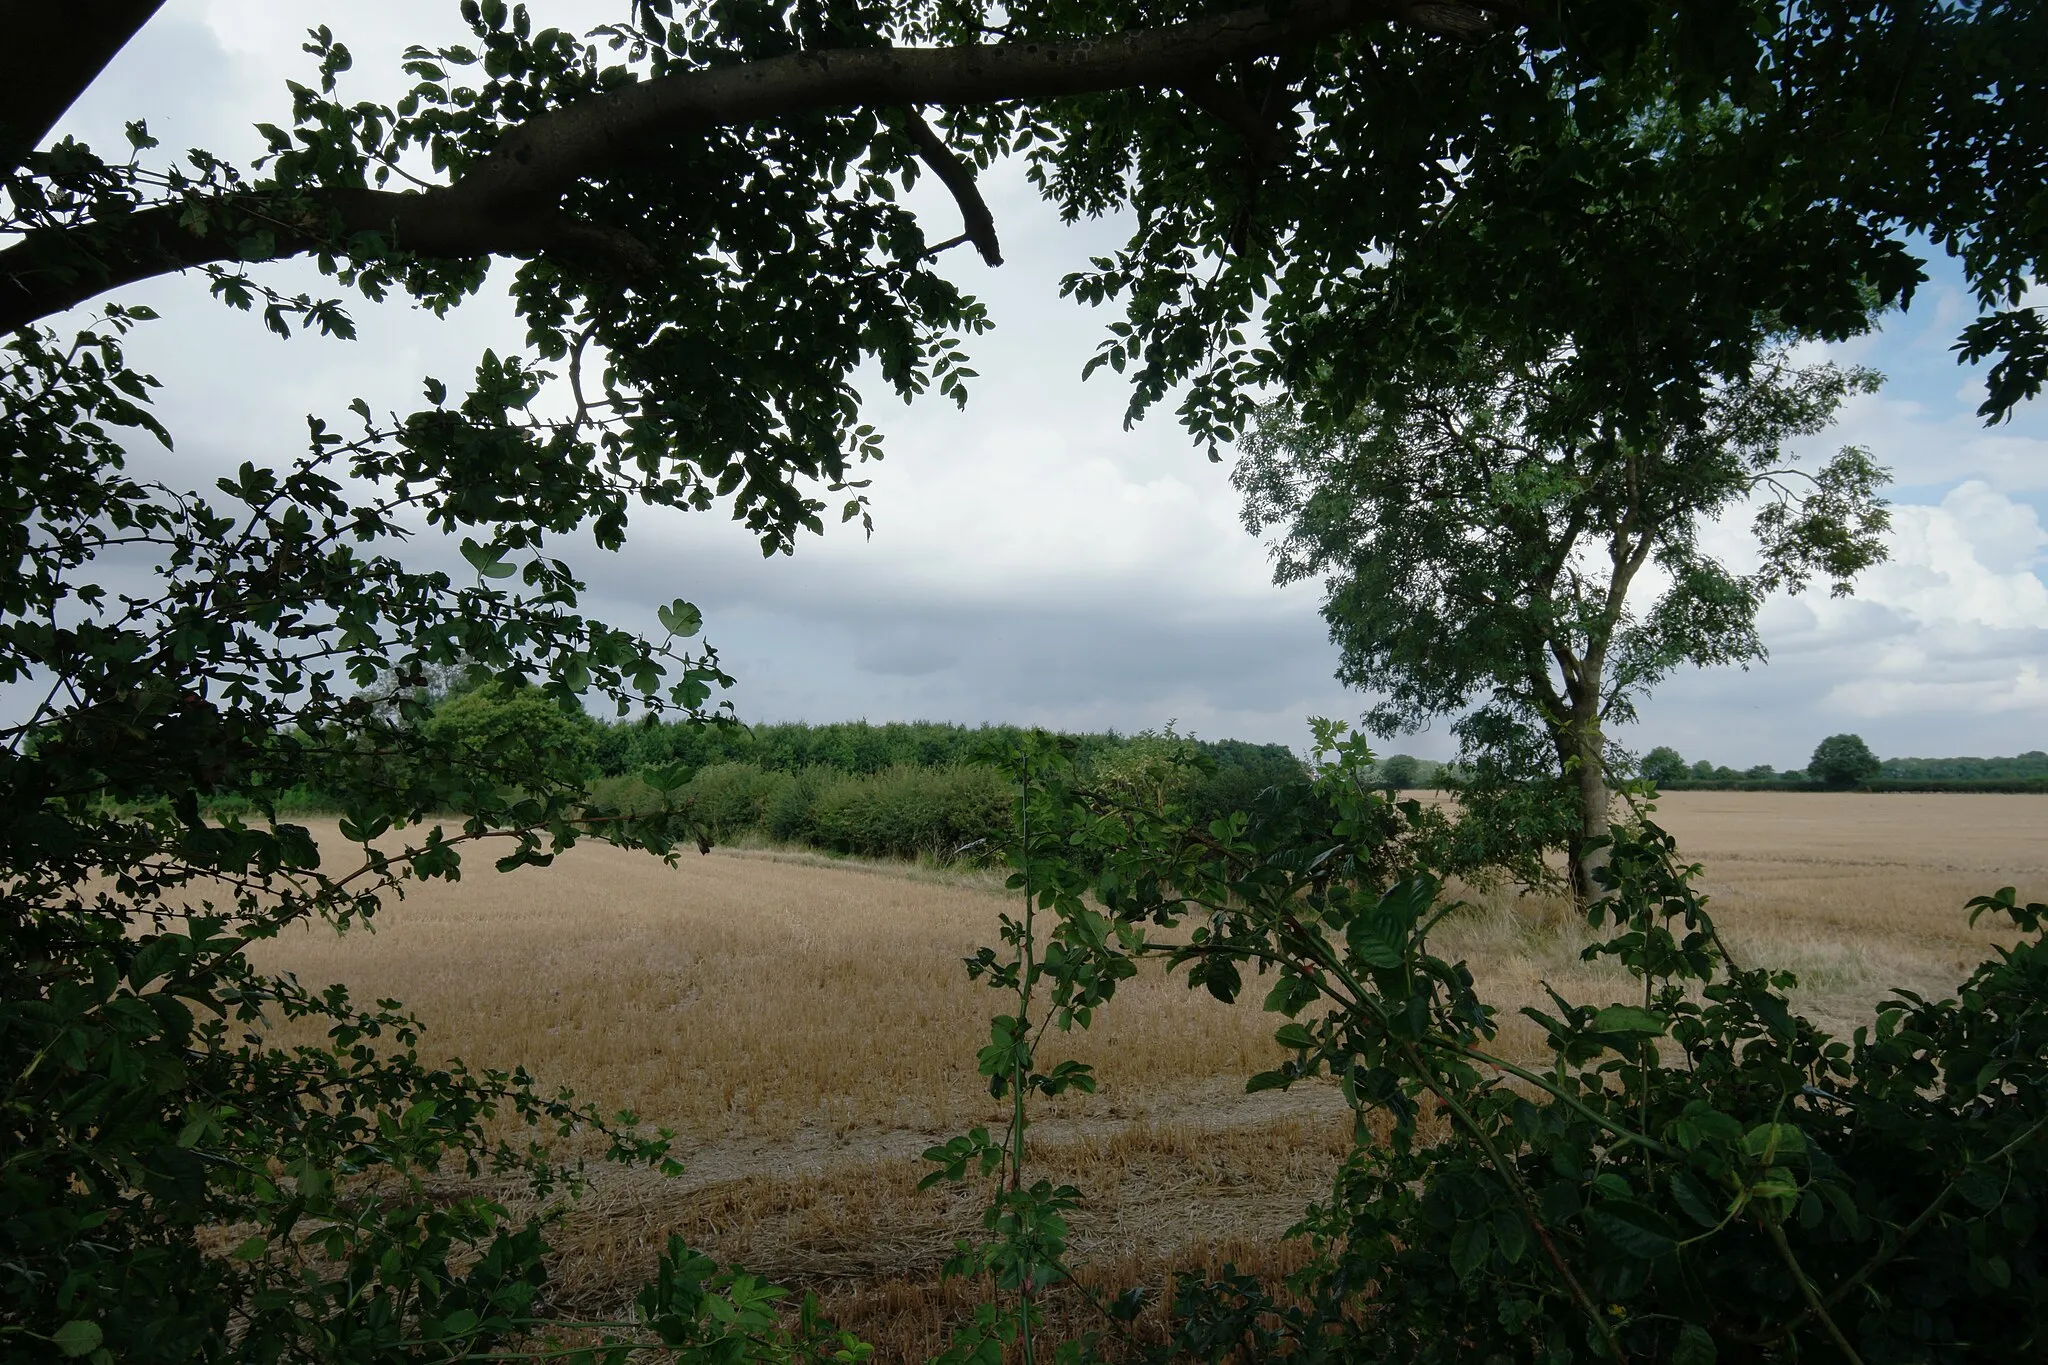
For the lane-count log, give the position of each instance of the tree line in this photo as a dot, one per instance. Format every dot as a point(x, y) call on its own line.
point(1846, 761)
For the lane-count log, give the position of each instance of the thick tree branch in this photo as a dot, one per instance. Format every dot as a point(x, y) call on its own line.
point(1226, 103)
point(506, 204)
point(958, 177)
point(50, 51)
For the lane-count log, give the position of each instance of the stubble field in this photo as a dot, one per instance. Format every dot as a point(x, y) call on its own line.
point(806, 1027)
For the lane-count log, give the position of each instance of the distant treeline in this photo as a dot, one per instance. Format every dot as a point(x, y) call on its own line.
point(1800, 783)
point(2027, 772)
point(900, 789)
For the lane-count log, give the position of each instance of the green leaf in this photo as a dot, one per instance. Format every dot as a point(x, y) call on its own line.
point(77, 1338)
point(1471, 1244)
point(1629, 1019)
point(681, 619)
point(1773, 1142)
point(1981, 1186)
point(251, 1249)
point(1633, 1229)
point(1693, 1198)
point(1511, 1234)
point(1294, 1035)
point(1369, 946)
point(1694, 1346)
point(486, 560)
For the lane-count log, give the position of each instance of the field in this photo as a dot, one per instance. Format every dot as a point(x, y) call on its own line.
point(806, 1027)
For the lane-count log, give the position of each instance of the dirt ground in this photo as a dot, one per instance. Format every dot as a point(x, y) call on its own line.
point(806, 1027)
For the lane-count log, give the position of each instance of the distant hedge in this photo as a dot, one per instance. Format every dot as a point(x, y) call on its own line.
point(909, 811)
point(901, 812)
point(2030, 785)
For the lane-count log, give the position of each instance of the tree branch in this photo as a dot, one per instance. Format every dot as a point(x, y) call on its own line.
point(958, 177)
point(49, 53)
point(506, 203)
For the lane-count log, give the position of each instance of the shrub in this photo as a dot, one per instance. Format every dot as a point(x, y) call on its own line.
point(907, 812)
point(1695, 1172)
point(532, 738)
point(789, 816)
point(730, 799)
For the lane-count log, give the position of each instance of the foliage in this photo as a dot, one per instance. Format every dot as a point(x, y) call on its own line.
point(1663, 764)
point(697, 299)
point(935, 813)
point(1483, 528)
point(2033, 763)
point(1399, 772)
point(937, 810)
point(1800, 140)
point(531, 736)
point(1843, 761)
point(1698, 1173)
point(147, 1113)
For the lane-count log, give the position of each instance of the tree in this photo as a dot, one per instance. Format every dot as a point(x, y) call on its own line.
point(1399, 772)
point(1662, 765)
point(1843, 761)
point(1482, 542)
point(527, 733)
point(701, 209)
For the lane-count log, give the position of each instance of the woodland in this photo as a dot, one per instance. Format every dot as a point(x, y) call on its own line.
point(1492, 301)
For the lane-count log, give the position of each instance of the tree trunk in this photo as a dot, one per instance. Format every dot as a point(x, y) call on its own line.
point(1584, 748)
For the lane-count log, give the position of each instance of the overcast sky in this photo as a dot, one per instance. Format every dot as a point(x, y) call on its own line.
point(1034, 562)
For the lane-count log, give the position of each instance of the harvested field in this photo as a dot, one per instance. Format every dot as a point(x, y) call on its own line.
point(806, 1027)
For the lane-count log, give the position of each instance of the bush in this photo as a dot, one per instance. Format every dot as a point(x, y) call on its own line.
point(908, 812)
point(1694, 1173)
point(730, 799)
point(531, 737)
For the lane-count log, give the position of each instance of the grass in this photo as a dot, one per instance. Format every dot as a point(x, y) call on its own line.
point(805, 1025)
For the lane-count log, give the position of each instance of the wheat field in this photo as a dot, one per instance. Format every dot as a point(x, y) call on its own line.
point(806, 1027)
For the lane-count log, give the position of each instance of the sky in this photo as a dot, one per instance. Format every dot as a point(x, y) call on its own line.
point(1035, 562)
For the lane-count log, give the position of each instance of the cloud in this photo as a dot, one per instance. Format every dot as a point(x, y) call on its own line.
point(1940, 651)
point(1033, 559)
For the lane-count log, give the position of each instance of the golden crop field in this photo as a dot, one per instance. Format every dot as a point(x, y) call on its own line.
point(806, 1027)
